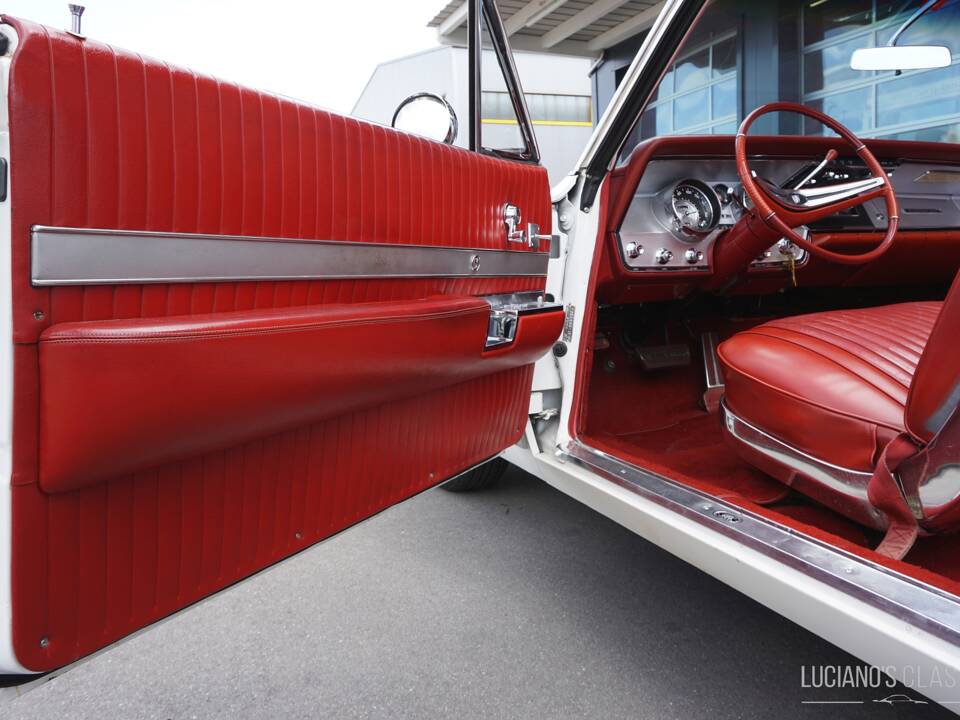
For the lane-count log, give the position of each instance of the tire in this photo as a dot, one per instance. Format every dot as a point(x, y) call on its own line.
point(478, 478)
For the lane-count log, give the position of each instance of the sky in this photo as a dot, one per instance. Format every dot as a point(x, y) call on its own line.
point(319, 51)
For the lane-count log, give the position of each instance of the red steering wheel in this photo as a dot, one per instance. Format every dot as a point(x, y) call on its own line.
point(784, 209)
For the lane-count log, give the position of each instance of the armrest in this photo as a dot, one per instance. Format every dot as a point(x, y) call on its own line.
point(121, 396)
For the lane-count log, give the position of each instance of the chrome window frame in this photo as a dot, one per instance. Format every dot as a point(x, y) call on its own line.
point(488, 12)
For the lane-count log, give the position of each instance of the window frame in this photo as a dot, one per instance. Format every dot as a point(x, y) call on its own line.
point(487, 10)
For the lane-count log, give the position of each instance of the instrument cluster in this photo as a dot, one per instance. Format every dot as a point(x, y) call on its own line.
point(688, 216)
point(699, 208)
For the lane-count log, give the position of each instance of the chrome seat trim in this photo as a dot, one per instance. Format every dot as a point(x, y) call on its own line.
point(812, 475)
point(917, 603)
point(81, 256)
point(841, 479)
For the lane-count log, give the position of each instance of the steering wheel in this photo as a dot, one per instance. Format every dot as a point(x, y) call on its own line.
point(784, 209)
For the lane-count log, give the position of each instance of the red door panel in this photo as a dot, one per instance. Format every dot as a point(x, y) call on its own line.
point(103, 138)
point(213, 381)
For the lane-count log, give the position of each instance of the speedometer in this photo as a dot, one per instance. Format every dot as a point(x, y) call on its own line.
point(695, 206)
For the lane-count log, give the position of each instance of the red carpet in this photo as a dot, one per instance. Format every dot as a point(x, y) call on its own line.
point(652, 419)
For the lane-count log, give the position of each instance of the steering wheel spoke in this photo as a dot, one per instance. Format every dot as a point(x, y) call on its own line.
point(835, 203)
point(786, 209)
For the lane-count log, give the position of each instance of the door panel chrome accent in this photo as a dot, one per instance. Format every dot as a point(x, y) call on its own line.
point(910, 600)
point(506, 309)
point(78, 256)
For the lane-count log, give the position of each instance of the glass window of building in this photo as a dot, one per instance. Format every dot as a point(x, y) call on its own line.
point(800, 52)
point(545, 109)
point(699, 92)
point(913, 105)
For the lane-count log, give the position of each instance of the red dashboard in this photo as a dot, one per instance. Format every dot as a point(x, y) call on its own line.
point(926, 250)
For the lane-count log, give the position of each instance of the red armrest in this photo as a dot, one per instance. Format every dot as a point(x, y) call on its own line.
point(120, 396)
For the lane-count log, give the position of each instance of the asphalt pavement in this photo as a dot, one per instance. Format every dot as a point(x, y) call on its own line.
point(510, 603)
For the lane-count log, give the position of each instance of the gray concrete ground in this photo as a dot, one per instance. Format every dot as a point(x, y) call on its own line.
point(513, 603)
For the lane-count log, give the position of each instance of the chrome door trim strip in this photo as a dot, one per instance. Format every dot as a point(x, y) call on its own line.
point(81, 256)
point(910, 600)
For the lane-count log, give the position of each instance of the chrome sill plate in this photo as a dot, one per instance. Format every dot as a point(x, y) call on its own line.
point(84, 256)
point(908, 599)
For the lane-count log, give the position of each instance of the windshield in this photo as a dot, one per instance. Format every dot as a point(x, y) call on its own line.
point(745, 53)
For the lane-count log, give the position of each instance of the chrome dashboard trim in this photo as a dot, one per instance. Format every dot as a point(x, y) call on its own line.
point(912, 601)
point(81, 256)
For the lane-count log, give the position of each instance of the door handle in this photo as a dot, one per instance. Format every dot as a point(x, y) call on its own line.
point(530, 236)
point(511, 218)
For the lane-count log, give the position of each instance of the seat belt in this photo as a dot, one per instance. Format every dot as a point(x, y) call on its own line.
point(885, 493)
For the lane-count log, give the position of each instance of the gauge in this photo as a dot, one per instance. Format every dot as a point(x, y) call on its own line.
point(695, 207)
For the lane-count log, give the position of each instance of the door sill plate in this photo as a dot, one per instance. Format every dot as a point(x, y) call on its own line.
point(917, 603)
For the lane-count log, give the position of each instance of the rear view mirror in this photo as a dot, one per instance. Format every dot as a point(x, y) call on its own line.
point(905, 57)
point(427, 115)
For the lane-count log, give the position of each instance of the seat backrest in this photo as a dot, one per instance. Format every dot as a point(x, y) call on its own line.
point(935, 392)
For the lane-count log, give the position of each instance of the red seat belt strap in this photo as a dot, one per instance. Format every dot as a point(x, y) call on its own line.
point(885, 494)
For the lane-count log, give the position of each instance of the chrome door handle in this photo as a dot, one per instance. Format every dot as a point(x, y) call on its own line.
point(530, 237)
point(511, 218)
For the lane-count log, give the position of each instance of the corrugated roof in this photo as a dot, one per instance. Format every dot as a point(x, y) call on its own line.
point(601, 23)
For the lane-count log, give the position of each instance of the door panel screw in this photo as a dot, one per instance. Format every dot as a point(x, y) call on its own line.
point(44, 642)
point(38, 315)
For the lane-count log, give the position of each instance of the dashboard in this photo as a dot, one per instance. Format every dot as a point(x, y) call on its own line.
point(681, 206)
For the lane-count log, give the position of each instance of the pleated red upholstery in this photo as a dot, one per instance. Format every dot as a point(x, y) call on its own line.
point(104, 138)
point(93, 565)
point(832, 384)
point(935, 393)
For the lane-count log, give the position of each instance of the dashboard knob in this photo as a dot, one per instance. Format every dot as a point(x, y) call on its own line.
point(633, 250)
point(692, 256)
point(663, 256)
